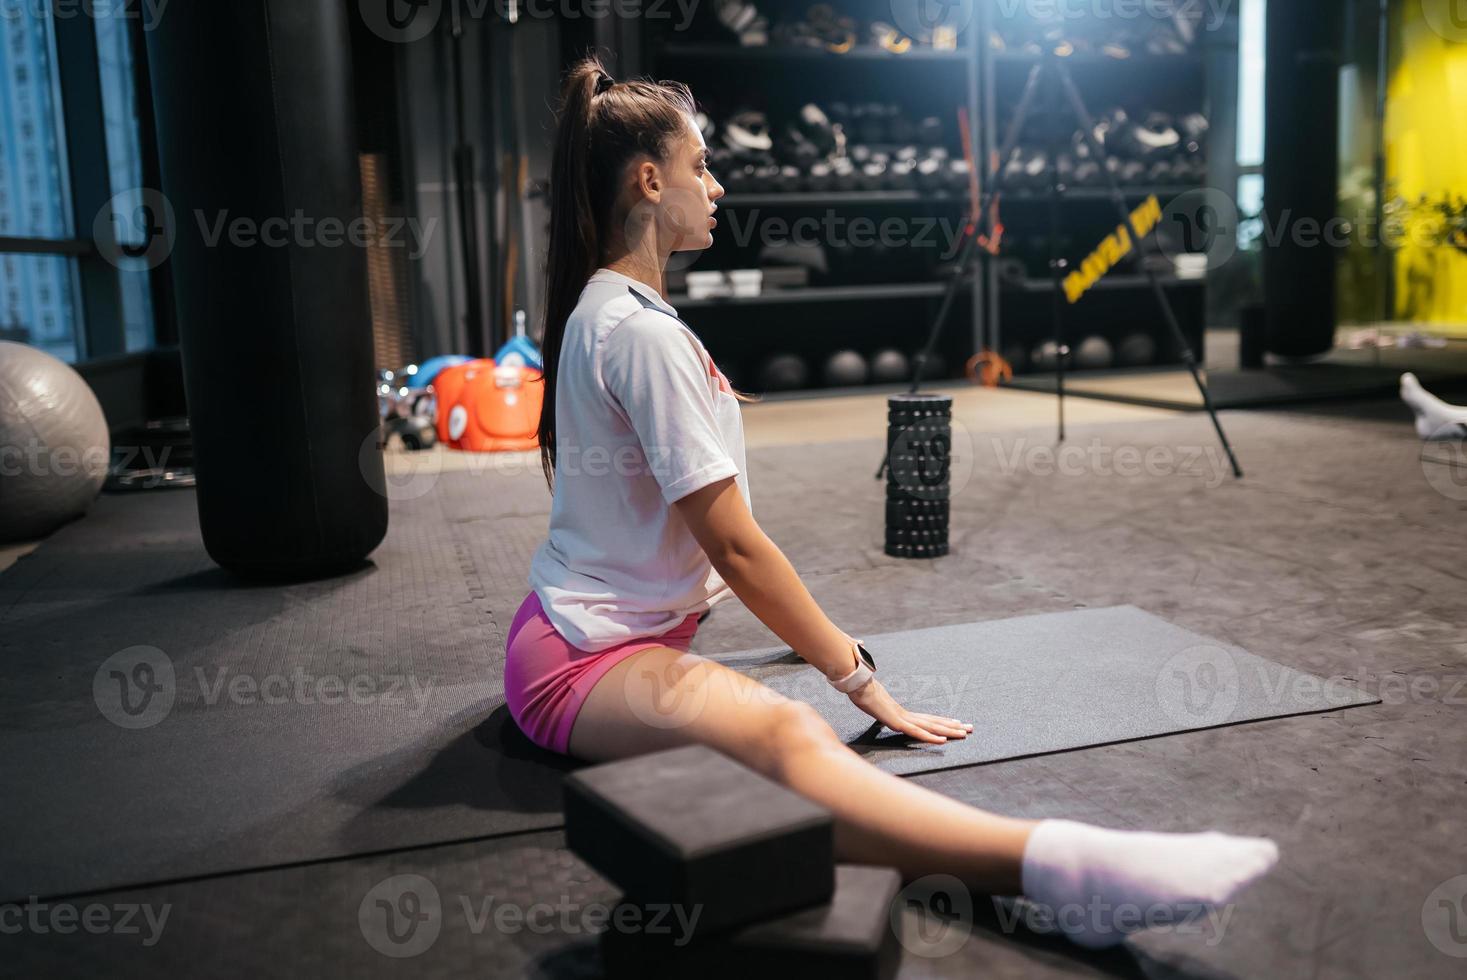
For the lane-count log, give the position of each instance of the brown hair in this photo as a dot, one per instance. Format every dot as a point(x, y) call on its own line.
point(604, 124)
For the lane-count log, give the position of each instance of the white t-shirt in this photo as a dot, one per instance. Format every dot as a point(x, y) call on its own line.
point(643, 418)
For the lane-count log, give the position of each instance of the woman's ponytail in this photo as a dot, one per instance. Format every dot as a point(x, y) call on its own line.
point(603, 125)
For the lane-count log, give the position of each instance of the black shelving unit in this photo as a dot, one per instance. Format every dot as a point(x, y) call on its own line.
point(1019, 312)
point(817, 294)
point(864, 301)
point(875, 307)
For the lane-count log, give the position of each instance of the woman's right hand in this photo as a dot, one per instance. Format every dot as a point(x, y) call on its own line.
point(873, 699)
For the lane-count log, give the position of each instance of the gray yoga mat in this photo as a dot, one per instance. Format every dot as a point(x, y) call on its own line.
point(1050, 683)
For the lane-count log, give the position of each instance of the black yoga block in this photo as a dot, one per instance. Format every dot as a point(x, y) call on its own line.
point(691, 827)
point(850, 937)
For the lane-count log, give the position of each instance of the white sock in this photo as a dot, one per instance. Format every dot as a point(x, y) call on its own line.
point(1435, 419)
point(1102, 885)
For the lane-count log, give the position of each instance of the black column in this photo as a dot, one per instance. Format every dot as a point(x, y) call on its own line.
point(255, 125)
point(1301, 173)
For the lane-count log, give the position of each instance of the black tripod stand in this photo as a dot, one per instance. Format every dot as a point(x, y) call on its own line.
point(971, 252)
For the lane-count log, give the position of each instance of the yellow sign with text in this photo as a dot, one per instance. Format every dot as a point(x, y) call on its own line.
point(1116, 246)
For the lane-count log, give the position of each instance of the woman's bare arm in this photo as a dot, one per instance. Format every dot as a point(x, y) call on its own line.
point(761, 576)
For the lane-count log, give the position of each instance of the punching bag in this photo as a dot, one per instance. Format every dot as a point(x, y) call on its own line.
point(259, 169)
point(1301, 173)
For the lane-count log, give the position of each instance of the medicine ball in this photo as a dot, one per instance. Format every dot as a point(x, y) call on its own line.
point(1046, 356)
point(1137, 350)
point(1094, 354)
point(890, 367)
point(845, 368)
point(783, 372)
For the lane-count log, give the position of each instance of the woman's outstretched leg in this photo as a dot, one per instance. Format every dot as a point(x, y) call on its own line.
point(1435, 419)
point(662, 698)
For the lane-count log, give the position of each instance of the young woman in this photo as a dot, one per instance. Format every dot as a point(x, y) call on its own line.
point(650, 525)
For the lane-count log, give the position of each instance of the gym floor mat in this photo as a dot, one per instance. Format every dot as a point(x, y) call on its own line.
point(287, 723)
point(1052, 682)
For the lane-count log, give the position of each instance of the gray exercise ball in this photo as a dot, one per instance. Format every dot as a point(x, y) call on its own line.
point(1094, 353)
point(889, 367)
point(54, 445)
point(783, 372)
point(846, 368)
point(1045, 357)
point(1137, 350)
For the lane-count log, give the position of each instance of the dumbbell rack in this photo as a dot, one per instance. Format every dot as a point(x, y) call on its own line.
point(1000, 312)
point(819, 319)
point(1019, 312)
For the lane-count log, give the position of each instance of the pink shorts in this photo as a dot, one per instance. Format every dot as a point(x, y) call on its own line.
point(546, 680)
